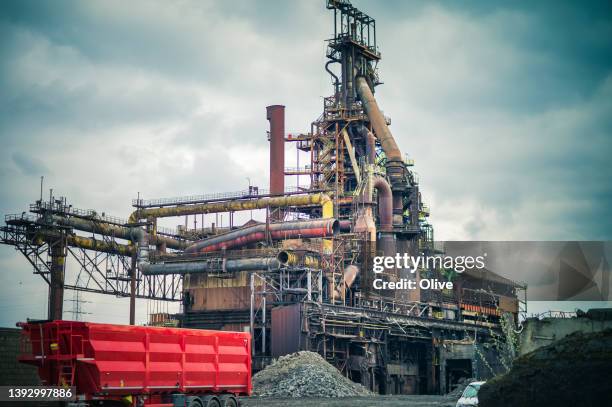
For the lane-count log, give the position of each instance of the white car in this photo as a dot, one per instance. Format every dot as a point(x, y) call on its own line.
point(469, 397)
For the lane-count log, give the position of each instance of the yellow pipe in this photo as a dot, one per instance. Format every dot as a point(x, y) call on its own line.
point(87, 243)
point(327, 211)
point(293, 259)
point(238, 205)
point(99, 245)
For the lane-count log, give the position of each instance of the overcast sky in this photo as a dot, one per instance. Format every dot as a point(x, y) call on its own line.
point(505, 106)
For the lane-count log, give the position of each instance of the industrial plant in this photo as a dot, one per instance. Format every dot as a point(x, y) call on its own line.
point(302, 279)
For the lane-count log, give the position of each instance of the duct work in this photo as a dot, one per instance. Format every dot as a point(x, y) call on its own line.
point(395, 163)
point(291, 258)
point(345, 226)
point(142, 237)
point(327, 206)
point(348, 278)
point(88, 243)
point(120, 232)
point(371, 147)
point(365, 219)
point(385, 203)
point(276, 231)
point(285, 258)
point(212, 265)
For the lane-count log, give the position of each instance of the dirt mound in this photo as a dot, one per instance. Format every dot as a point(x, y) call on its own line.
point(304, 374)
point(574, 371)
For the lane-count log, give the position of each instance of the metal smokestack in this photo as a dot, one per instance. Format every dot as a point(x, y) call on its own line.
point(276, 116)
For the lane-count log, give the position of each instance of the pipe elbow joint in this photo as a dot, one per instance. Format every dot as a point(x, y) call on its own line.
point(327, 206)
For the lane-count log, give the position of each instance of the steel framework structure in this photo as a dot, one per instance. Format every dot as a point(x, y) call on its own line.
point(105, 265)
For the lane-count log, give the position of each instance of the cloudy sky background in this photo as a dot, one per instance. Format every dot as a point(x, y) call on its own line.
point(506, 108)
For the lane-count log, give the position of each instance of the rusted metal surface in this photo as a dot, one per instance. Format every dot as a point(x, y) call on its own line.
point(234, 205)
point(211, 265)
point(378, 121)
point(298, 258)
point(276, 116)
point(286, 330)
point(371, 147)
point(109, 229)
point(57, 272)
point(345, 225)
point(385, 203)
point(220, 298)
point(275, 231)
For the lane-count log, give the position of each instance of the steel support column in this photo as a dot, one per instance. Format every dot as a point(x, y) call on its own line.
point(56, 288)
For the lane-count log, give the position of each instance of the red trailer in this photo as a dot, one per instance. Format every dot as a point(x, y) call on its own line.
point(140, 365)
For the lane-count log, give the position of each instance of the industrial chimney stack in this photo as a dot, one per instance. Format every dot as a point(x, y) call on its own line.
point(276, 116)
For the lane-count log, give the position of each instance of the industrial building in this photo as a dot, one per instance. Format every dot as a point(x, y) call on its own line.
point(302, 279)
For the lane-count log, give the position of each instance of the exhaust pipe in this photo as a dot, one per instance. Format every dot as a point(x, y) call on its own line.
point(121, 232)
point(385, 203)
point(276, 231)
point(395, 164)
point(377, 119)
point(211, 265)
point(290, 258)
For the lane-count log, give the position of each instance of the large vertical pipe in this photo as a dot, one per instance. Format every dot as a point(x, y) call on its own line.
point(371, 147)
point(252, 313)
point(276, 117)
point(387, 242)
point(385, 203)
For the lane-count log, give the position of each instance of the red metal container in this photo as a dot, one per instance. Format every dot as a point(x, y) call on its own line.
point(123, 360)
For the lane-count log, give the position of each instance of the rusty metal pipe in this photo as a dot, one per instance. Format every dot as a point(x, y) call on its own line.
point(371, 147)
point(89, 243)
point(100, 245)
point(211, 265)
point(237, 205)
point(276, 231)
point(292, 258)
point(121, 232)
point(385, 203)
point(345, 226)
point(378, 121)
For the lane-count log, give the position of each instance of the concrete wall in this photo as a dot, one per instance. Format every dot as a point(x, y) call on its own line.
point(11, 371)
point(484, 360)
point(542, 332)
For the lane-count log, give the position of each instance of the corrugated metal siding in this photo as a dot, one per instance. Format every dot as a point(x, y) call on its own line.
point(286, 330)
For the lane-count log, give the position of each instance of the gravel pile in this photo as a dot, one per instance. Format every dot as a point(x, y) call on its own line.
point(304, 374)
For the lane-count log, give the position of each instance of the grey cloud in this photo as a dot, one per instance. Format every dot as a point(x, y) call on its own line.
point(504, 106)
point(29, 165)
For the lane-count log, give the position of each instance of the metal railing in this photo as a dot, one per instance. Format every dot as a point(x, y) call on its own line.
point(13, 217)
point(40, 207)
point(254, 192)
point(298, 170)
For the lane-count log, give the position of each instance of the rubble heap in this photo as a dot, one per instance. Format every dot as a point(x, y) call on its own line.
point(574, 371)
point(304, 374)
